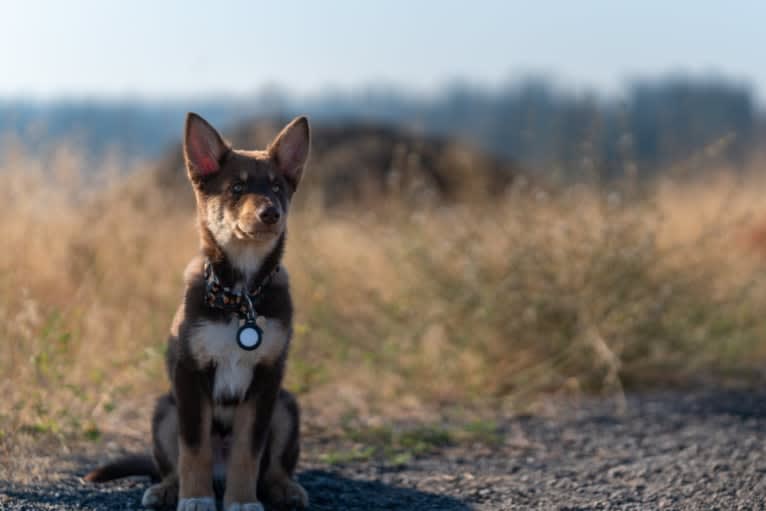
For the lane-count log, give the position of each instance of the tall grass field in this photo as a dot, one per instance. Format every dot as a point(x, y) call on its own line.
point(404, 308)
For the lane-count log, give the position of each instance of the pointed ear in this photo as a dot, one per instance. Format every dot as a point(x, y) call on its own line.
point(203, 147)
point(290, 149)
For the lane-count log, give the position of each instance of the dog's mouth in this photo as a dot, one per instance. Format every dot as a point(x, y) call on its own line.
point(257, 234)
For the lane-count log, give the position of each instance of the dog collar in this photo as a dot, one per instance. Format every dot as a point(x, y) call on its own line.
point(241, 303)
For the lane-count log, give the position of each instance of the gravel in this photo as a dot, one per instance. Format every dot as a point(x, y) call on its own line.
point(700, 451)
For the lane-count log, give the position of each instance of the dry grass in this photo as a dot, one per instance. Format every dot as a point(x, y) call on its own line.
point(401, 311)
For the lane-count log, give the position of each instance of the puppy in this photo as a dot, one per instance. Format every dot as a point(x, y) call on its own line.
point(227, 423)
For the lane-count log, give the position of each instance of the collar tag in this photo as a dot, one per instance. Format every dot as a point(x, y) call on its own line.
point(249, 336)
point(217, 296)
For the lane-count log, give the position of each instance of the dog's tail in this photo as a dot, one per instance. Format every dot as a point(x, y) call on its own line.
point(135, 465)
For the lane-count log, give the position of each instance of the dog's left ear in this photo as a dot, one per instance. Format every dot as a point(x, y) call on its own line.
point(290, 149)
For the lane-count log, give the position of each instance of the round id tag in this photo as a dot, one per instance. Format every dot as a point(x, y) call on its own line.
point(249, 336)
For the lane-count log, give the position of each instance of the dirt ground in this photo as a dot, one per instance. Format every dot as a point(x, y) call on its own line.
point(701, 450)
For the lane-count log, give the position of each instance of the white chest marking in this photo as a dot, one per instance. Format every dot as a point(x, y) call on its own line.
point(216, 343)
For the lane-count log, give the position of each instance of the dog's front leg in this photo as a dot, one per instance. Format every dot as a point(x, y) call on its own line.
point(252, 419)
point(195, 453)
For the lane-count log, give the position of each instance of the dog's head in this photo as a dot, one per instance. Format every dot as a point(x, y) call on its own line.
point(243, 196)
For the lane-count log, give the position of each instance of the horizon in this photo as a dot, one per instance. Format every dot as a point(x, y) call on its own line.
point(401, 90)
point(178, 50)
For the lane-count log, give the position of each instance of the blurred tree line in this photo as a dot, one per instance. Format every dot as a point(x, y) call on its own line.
point(652, 124)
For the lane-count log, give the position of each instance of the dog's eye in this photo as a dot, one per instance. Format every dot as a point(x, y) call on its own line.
point(238, 188)
point(275, 188)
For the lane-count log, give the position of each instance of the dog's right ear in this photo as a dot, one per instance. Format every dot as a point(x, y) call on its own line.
point(203, 147)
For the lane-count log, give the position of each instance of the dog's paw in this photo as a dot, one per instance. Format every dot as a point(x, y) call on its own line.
point(197, 504)
point(160, 496)
point(247, 506)
point(286, 494)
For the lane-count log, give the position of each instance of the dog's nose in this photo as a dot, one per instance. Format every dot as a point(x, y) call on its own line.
point(269, 215)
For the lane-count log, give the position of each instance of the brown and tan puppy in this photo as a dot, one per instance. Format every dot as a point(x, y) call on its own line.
point(227, 417)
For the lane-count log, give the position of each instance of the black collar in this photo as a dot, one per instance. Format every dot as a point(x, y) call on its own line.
point(241, 302)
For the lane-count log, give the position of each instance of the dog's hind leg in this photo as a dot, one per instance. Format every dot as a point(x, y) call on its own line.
point(276, 485)
point(164, 495)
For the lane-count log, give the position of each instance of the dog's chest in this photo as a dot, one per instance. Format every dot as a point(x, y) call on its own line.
point(215, 343)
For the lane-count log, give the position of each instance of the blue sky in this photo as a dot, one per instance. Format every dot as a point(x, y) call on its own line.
point(170, 48)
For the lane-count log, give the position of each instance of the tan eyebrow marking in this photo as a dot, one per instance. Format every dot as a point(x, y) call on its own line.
point(243, 175)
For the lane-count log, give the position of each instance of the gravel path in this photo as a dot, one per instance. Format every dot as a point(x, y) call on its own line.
point(703, 451)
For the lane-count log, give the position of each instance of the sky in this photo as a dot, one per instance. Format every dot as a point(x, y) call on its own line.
point(172, 48)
